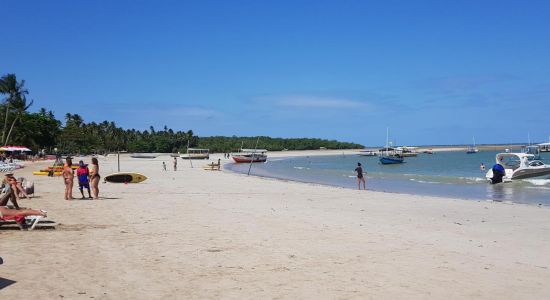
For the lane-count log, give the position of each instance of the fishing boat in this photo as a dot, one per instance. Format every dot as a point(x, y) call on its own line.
point(389, 160)
point(407, 151)
point(250, 155)
point(389, 156)
point(472, 149)
point(519, 166)
point(196, 153)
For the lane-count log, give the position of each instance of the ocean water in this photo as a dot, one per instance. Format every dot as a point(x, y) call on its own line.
point(448, 174)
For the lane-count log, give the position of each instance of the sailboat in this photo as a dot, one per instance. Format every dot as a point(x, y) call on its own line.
point(472, 149)
point(388, 156)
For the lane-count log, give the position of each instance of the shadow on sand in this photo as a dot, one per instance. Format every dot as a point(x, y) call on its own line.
point(5, 282)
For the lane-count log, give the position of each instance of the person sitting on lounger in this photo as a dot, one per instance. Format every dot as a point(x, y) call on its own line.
point(26, 218)
point(10, 185)
point(22, 212)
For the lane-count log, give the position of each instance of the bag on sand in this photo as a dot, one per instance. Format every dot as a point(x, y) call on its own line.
point(29, 187)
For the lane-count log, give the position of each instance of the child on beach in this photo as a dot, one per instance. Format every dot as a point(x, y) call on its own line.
point(83, 174)
point(175, 164)
point(164, 166)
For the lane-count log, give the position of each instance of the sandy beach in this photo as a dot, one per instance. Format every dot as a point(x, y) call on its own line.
point(196, 234)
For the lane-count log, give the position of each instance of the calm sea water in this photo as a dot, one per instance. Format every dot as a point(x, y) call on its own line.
point(448, 174)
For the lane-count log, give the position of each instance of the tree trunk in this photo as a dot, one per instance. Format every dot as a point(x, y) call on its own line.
point(5, 122)
point(11, 128)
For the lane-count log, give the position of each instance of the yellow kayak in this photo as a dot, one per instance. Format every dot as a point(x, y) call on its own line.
point(46, 173)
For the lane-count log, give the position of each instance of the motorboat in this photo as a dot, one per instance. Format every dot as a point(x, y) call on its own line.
point(407, 151)
point(196, 153)
point(531, 150)
point(368, 153)
point(520, 166)
point(250, 156)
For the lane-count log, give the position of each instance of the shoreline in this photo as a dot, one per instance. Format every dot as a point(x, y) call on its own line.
point(283, 155)
point(209, 234)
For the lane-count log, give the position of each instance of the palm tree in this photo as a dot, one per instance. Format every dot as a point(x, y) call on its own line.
point(20, 106)
point(16, 95)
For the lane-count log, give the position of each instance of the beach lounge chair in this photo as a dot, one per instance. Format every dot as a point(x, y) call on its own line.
point(24, 223)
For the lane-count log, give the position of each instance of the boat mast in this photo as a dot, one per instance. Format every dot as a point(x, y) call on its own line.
point(253, 154)
point(387, 139)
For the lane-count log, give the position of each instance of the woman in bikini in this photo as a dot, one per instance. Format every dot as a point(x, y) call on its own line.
point(94, 175)
point(68, 177)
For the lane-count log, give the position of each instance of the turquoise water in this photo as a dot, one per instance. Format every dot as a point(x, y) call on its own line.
point(448, 174)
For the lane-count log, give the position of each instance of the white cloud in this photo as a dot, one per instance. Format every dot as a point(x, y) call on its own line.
point(306, 101)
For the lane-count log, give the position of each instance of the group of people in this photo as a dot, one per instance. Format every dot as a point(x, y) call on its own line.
point(86, 177)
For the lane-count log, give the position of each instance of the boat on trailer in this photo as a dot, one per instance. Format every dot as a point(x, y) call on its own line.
point(250, 156)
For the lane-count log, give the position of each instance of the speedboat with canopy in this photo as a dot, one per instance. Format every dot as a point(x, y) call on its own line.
point(520, 166)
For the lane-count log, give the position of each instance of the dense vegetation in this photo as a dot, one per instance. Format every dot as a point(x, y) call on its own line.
point(228, 144)
point(41, 130)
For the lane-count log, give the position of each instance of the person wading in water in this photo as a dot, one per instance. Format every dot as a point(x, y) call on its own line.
point(360, 177)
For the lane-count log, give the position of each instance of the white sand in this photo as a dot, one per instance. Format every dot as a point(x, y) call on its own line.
point(202, 234)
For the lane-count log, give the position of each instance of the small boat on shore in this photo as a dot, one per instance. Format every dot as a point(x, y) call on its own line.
point(143, 155)
point(196, 153)
point(519, 166)
point(250, 155)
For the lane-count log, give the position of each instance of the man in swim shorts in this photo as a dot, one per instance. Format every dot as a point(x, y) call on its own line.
point(83, 174)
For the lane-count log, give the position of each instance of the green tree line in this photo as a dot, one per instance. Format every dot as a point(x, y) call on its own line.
point(41, 130)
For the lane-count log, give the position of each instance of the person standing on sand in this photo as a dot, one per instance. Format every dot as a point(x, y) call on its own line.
point(83, 174)
point(94, 178)
point(68, 177)
point(164, 166)
point(360, 177)
point(175, 163)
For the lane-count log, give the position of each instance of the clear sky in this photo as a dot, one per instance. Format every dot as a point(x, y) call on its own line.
point(434, 72)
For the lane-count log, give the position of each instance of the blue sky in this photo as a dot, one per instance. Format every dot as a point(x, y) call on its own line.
point(434, 72)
